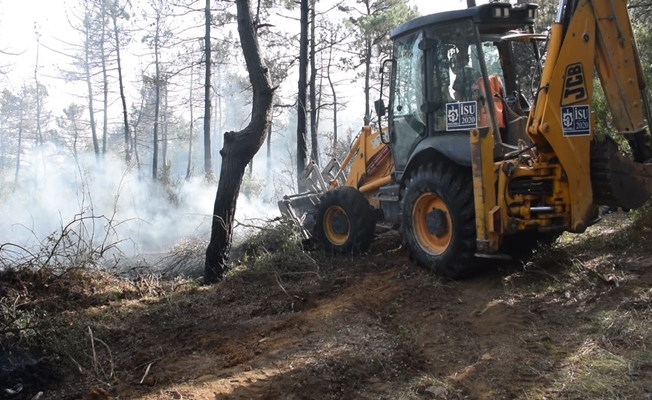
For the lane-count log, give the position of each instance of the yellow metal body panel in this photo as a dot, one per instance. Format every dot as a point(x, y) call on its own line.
point(567, 81)
point(484, 189)
point(371, 164)
point(618, 65)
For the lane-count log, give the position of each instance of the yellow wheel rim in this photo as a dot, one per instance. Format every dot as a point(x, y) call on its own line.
point(432, 223)
point(336, 226)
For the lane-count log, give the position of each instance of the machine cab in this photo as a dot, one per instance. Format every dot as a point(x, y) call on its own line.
point(456, 71)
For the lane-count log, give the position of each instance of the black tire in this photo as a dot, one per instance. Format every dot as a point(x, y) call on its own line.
point(345, 222)
point(438, 219)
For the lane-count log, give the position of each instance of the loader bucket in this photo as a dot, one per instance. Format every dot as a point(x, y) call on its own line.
point(616, 179)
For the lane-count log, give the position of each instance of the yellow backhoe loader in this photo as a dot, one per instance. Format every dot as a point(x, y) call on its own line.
point(487, 146)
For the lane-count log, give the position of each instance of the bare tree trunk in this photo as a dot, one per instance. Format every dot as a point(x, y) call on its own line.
point(367, 70)
point(239, 148)
point(2, 146)
point(39, 134)
point(208, 164)
point(20, 137)
point(314, 140)
point(122, 88)
point(192, 124)
point(105, 81)
point(75, 137)
point(135, 135)
point(367, 88)
point(164, 118)
point(302, 149)
point(157, 100)
point(89, 85)
point(217, 119)
point(268, 175)
point(332, 86)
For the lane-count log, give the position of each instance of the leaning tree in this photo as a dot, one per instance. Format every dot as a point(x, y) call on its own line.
point(239, 147)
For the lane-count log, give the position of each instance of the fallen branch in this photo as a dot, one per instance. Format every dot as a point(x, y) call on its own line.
point(90, 332)
point(146, 372)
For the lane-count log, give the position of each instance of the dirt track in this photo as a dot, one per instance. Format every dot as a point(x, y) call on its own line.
point(574, 325)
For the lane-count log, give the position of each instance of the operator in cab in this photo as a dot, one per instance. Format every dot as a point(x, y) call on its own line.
point(465, 86)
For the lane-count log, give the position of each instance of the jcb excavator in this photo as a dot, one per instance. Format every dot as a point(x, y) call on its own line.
point(487, 146)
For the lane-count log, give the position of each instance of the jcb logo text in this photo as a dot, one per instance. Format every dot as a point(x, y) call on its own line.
point(574, 85)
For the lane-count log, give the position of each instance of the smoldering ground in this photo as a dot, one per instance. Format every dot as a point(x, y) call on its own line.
point(106, 205)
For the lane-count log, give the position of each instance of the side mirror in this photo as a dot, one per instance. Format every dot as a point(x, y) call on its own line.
point(375, 50)
point(379, 105)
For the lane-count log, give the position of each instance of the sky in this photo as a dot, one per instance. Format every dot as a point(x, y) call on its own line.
point(19, 20)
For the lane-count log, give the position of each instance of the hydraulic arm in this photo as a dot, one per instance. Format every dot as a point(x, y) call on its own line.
point(588, 36)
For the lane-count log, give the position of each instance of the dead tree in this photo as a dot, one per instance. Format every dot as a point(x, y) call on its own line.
point(239, 148)
point(208, 164)
point(302, 148)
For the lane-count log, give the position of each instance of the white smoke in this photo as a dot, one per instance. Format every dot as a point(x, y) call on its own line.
point(141, 215)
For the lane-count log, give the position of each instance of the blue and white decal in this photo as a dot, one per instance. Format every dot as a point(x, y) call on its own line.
point(461, 116)
point(576, 121)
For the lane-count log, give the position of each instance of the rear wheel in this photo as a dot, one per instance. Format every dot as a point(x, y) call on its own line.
point(438, 219)
point(344, 222)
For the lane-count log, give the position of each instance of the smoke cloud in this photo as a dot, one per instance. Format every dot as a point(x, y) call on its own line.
point(143, 216)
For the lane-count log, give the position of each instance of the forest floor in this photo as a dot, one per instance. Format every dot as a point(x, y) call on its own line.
point(574, 323)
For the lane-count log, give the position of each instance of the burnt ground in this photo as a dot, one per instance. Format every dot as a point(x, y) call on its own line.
point(575, 323)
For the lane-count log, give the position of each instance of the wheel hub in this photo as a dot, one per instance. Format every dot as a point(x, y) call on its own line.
point(340, 224)
point(437, 223)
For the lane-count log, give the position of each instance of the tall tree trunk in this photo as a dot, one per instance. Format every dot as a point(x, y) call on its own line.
point(105, 81)
point(20, 137)
point(268, 175)
point(164, 119)
point(157, 101)
point(208, 164)
point(367, 69)
point(192, 123)
point(367, 76)
point(217, 118)
point(332, 86)
point(314, 140)
point(89, 85)
point(75, 133)
point(39, 134)
point(2, 147)
point(125, 115)
point(239, 148)
point(135, 135)
point(302, 149)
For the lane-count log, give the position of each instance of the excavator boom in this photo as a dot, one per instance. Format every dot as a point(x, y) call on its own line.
point(593, 35)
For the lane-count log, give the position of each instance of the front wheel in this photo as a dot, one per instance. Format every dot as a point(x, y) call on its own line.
point(438, 219)
point(345, 222)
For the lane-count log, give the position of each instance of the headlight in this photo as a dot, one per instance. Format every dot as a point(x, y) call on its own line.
point(501, 12)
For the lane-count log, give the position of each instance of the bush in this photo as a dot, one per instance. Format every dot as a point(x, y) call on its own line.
point(276, 247)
